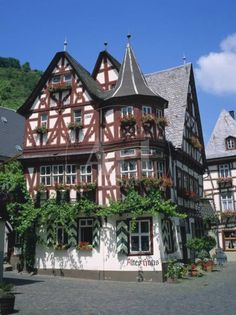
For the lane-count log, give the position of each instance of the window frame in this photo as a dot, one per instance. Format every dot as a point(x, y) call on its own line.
point(230, 239)
point(224, 170)
point(86, 174)
point(44, 122)
point(146, 171)
point(72, 175)
point(230, 143)
point(140, 234)
point(124, 154)
point(57, 81)
point(146, 110)
point(63, 233)
point(127, 173)
point(46, 175)
point(227, 201)
point(77, 118)
point(80, 226)
point(124, 111)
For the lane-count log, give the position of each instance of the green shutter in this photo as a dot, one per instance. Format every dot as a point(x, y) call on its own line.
point(96, 232)
point(72, 237)
point(122, 236)
point(50, 234)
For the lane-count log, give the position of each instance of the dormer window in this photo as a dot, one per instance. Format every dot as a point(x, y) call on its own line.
point(230, 143)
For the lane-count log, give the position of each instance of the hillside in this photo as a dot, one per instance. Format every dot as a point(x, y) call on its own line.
point(16, 82)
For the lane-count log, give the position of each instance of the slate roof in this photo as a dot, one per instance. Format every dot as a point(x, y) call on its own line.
point(11, 133)
point(131, 81)
point(224, 127)
point(172, 85)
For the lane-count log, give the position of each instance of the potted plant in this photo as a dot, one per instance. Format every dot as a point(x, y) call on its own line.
point(7, 298)
point(175, 270)
point(165, 182)
point(87, 186)
point(41, 130)
point(208, 264)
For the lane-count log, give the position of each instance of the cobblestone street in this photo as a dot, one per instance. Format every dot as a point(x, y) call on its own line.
point(212, 294)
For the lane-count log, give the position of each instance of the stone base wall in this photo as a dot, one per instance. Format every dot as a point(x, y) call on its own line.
point(130, 276)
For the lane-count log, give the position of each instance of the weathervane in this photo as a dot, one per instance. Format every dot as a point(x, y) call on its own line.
point(105, 45)
point(65, 44)
point(184, 59)
point(128, 37)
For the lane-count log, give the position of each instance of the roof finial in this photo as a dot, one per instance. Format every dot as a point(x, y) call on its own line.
point(184, 59)
point(105, 45)
point(65, 44)
point(128, 37)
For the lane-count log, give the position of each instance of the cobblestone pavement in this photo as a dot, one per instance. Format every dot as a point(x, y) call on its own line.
point(212, 294)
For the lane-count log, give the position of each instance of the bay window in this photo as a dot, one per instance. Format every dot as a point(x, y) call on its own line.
point(86, 173)
point(45, 175)
point(147, 168)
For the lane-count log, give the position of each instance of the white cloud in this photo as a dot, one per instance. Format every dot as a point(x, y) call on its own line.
point(216, 72)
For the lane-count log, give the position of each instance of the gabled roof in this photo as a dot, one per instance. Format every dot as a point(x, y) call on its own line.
point(91, 85)
point(11, 133)
point(224, 127)
point(172, 84)
point(101, 55)
point(131, 82)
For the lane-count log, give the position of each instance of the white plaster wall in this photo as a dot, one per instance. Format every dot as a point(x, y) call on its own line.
point(103, 258)
point(100, 77)
point(113, 75)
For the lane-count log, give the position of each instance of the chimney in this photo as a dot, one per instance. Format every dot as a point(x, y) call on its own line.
point(231, 112)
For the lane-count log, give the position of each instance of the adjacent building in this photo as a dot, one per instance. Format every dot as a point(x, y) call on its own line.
point(11, 143)
point(220, 180)
point(96, 130)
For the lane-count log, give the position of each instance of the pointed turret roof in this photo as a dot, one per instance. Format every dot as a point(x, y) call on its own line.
point(225, 127)
point(131, 82)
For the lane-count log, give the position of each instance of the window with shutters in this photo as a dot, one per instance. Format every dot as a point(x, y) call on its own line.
point(140, 237)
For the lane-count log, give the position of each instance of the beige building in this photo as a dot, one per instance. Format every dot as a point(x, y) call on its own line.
point(220, 181)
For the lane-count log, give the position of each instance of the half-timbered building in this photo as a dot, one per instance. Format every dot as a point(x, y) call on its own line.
point(220, 180)
point(93, 131)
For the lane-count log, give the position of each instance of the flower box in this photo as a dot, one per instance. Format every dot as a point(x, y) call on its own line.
point(41, 130)
point(224, 180)
point(165, 182)
point(61, 246)
point(74, 126)
point(87, 186)
point(195, 143)
point(162, 122)
point(59, 87)
point(148, 119)
point(85, 246)
point(128, 120)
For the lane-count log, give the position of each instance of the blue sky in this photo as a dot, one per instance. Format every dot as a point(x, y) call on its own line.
point(162, 31)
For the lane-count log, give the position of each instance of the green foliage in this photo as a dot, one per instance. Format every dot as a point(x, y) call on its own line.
point(153, 203)
point(175, 270)
point(9, 63)
point(16, 82)
point(199, 244)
